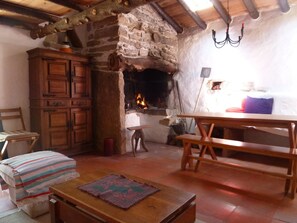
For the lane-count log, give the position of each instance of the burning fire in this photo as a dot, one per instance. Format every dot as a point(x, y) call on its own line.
point(140, 101)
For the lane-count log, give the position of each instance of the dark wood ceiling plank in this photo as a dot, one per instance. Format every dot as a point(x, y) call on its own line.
point(252, 9)
point(166, 17)
point(69, 4)
point(193, 15)
point(16, 23)
point(284, 5)
point(8, 6)
point(171, 9)
point(221, 10)
point(99, 12)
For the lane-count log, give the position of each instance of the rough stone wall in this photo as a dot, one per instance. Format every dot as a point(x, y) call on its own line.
point(107, 85)
point(141, 33)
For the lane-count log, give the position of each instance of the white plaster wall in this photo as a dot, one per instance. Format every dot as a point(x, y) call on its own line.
point(267, 56)
point(156, 133)
point(14, 69)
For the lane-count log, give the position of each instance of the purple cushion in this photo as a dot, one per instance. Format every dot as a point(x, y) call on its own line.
point(258, 105)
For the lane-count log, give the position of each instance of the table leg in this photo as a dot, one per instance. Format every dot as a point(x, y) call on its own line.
point(205, 134)
point(143, 140)
point(202, 152)
point(294, 179)
point(53, 212)
point(292, 165)
point(132, 143)
point(186, 156)
point(138, 135)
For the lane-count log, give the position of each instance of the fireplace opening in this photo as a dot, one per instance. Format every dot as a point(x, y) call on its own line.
point(148, 89)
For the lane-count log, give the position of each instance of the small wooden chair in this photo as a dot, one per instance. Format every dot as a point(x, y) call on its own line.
point(18, 134)
point(138, 134)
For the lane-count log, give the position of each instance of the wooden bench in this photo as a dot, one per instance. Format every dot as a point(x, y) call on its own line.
point(16, 135)
point(247, 147)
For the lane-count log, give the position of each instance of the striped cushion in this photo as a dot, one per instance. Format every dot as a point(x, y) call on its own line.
point(32, 174)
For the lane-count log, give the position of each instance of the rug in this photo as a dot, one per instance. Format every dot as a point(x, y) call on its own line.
point(119, 190)
point(18, 216)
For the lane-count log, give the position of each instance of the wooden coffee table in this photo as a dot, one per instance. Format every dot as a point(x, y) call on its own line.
point(69, 204)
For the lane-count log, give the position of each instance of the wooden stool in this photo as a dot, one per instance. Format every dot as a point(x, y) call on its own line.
point(138, 134)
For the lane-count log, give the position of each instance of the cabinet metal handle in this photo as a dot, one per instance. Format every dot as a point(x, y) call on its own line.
point(53, 201)
point(48, 58)
point(72, 74)
point(50, 110)
point(58, 103)
point(70, 125)
point(48, 95)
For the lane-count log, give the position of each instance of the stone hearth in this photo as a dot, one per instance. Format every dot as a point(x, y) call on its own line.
point(128, 42)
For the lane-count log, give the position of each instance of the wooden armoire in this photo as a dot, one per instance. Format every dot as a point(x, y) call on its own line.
point(60, 101)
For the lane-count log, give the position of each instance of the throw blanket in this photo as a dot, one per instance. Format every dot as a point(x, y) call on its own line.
point(33, 173)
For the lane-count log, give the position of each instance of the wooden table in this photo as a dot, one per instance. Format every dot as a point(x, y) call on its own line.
point(69, 204)
point(212, 119)
point(207, 120)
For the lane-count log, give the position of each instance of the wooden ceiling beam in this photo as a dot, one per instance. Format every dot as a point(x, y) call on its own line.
point(284, 5)
point(193, 15)
point(23, 10)
point(252, 9)
point(166, 17)
point(69, 4)
point(96, 13)
point(16, 23)
point(221, 10)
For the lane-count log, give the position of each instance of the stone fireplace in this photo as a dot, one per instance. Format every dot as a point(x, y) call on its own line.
point(129, 53)
point(148, 89)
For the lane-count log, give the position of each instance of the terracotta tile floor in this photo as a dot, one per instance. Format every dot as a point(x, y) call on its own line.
point(223, 194)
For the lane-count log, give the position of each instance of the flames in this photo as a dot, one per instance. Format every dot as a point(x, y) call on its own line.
point(140, 101)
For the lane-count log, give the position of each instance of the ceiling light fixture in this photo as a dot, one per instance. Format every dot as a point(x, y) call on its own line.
point(234, 43)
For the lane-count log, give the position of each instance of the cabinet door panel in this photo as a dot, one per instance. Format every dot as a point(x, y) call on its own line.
point(80, 80)
point(58, 118)
point(57, 87)
point(80, 136)
point(56, 78)
point(58, 138)
point(57, 129)
point(81, 125)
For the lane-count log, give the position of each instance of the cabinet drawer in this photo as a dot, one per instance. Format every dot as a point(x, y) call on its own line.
point(57, 103)
point(80, 103)
point(51, 103)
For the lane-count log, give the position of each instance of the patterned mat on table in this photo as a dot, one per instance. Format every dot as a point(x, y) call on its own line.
point(119, 190)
